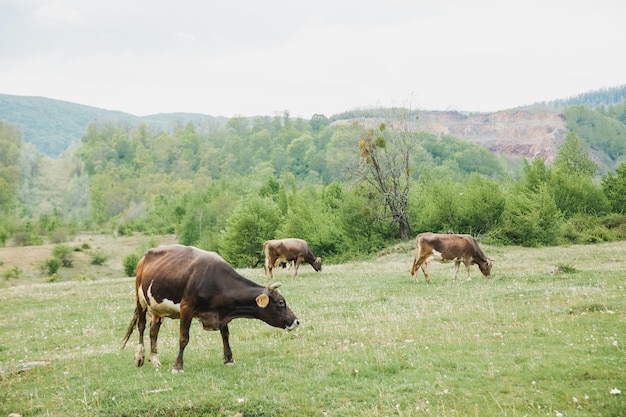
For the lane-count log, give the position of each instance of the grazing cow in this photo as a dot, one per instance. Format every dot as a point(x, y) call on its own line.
point(286, 251)
point(449, 247)
point(184, 282)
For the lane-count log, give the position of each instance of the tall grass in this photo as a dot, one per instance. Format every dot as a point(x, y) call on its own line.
point(372, 343)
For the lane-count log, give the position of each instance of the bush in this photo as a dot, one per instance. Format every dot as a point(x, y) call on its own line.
point(14, 273)
point(59, 235)
point(130, 264)
point(98, 259)
point(63, 253)
point(51, 266)
point(27, 239)
point(585, 229)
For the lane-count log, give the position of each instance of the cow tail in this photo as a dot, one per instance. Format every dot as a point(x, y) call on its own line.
point(258, 260)
point(133, 322)
point(131, 326)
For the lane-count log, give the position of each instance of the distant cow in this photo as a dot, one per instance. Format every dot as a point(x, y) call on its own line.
point(287, 250)
point(184, 282)
point(449, 247)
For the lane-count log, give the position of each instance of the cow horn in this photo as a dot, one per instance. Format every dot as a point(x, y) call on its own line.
point(273, 286)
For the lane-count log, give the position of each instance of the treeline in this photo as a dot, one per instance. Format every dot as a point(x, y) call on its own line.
point(592, 99)
point(229, 188)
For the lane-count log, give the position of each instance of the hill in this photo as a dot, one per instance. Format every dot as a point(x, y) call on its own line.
point(52, 126)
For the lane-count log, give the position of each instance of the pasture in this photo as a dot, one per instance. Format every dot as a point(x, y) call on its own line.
point(372, 342)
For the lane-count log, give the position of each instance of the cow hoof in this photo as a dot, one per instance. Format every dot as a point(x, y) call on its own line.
point(230, 362)
point(139, 356)
point(177, 371)
point(154, 360)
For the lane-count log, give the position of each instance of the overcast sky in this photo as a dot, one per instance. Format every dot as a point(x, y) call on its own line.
point(262, 57)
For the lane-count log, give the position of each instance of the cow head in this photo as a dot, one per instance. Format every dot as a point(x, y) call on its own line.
point(317, 264)
point(273, 308)
point(485, 267)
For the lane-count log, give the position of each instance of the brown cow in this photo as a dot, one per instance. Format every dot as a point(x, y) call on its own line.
point(449, 247)
point(287, 250)
point(184, 282)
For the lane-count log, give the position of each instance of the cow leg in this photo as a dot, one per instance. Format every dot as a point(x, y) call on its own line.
point(296, 265)
point(228, 354)
point(419, 262)
point(424, 267)
point(467, 266)
point(456, 268)
point(155, 326)
point(141, 327)
point(183, 339)
point(267, 267)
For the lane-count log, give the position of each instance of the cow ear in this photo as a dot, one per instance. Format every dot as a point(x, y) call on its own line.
point(263, 300)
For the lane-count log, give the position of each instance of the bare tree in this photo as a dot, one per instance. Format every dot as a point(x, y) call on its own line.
point(385, 153)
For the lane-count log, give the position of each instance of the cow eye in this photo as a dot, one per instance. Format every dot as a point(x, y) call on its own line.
point(281, 303)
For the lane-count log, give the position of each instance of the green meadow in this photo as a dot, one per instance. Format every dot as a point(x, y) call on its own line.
point(545, 336)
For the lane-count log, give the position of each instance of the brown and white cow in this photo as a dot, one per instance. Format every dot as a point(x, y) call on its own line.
point(279, 251)
point(184, 282)
point(447, 247)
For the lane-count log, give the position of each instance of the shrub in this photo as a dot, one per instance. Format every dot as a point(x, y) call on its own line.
point(130, 264)
point(63, 253)
point(26, 238)
point(51, 266)
point(98, 258)
point(585, 229)
point(13, 272)
point(59, 235)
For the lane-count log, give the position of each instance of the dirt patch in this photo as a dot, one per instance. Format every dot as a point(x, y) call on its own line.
point(29, 259)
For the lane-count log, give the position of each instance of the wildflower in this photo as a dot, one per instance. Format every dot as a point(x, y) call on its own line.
point(615, 391)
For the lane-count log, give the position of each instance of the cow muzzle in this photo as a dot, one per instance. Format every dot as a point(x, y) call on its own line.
point(293, 325)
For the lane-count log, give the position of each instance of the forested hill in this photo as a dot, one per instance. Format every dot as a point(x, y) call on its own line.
point(603, 97)
point(52, 126)
point(598, 117)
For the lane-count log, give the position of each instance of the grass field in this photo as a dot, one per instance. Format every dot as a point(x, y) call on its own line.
point(372, 342)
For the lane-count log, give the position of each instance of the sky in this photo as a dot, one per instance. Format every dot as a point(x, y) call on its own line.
point(264, 57)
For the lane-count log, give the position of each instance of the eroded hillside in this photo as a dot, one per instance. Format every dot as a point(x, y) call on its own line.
point(518, 132)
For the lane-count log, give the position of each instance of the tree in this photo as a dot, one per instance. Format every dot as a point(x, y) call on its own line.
point(614, 188)
point(573, 158)
point(318, 122)
point(255, 220)
point(10, 173)
point(574, 191)
point(385, 155)
point(536, 174)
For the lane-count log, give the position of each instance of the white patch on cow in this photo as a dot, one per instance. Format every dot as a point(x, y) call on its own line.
point(438, 256)
point(166, 308)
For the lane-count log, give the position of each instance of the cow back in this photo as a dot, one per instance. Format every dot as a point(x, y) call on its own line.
point(173, 271)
